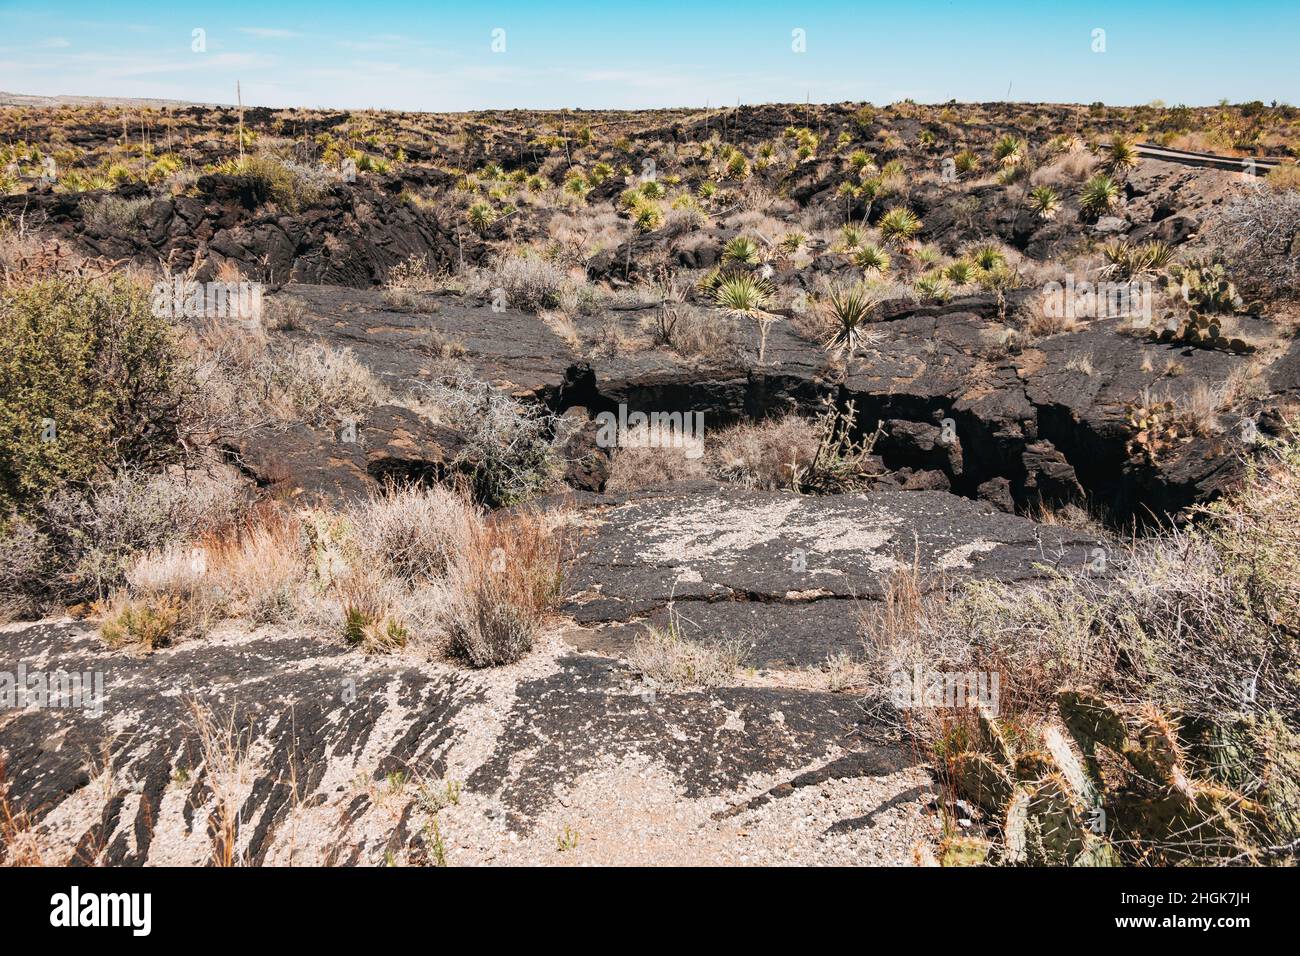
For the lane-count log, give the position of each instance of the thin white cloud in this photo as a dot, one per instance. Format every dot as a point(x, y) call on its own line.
point(270, 33)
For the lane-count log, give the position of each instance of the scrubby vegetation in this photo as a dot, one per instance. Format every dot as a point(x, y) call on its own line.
point(1127, 728)
point(398, 454)
point(89, 380)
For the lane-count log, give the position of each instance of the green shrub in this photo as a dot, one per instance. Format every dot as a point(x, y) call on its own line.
point(288, 185)
point(89, 379)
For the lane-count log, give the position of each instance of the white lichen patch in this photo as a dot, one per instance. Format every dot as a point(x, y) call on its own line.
point(718, 530)
point(959, 557)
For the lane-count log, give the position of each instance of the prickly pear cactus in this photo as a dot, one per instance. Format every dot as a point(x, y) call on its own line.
point(981, 780)
point(1155, 429)
point(1157, 804)
point(1202, 332)
point(964, 851)
point(1205, 286)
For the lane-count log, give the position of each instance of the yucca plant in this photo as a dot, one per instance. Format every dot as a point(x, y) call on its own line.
point(987, 257)
point(960, 272)
point(1045, 201)
point(742, 293)
point(926, 255)
point(1123, 155)
point(576, 184)
point(932, 287)
point(966, 162)
point(859, 160)
point(871, 189)
point(871, 258)
point(793, 241)
point(899, 225)
point(709, 281)
point(852, 236)
point(1117, 255)
point(741, 250)
point(647, 216)
point(746, 295)
point(480, 216)
point(849, 308)
point(894, 170)
point(1127, 261)
point(653, 189)
point(1155, 256)
point(1064, 143)
point(1009, 150)
point(600, 172)
point(1010, 174)
point(1099, 196)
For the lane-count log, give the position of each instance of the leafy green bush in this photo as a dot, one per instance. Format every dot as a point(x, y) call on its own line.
point(89, 379)
point(287, 184)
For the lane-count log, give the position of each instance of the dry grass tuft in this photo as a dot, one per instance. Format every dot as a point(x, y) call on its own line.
point(504, 583)
point(767, 454)
point(668, 659)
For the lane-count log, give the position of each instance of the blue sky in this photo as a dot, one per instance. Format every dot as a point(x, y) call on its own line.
point(620, 54)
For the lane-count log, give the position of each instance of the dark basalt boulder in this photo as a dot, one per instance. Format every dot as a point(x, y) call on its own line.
point(351, 460)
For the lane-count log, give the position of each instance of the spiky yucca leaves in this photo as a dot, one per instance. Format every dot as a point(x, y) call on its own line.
point(1125, 260)
point(1064, 143)
point(647, 215)
point(872, 259)
point(1045, 202)
point(793, 241)
point(966, 162)
point(960, 272)
point(1010, 151)
point(480, 216)
point(746, 295)
point(926, 255)
point(987, 257)
point(576, 184)
point(741, 250)
point(742, 294)
point(1100, 195)
point(859, 160)
point(932, 287)
point(738, 166)
point(1123, 155)
point(899, 226)
point(852, 236)
point(849, 308)
point(1155, 255)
